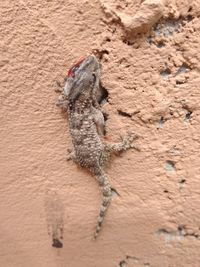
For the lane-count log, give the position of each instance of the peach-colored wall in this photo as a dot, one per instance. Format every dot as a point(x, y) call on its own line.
point(152, 75)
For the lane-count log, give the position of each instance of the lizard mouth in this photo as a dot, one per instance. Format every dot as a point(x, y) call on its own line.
point(71, 72)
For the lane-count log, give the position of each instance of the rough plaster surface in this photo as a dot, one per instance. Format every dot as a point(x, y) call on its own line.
point(152, 77)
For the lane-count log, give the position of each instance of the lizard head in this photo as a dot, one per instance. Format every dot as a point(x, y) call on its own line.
point(82, 78)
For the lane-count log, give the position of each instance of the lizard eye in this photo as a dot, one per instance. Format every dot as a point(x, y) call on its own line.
point(72, 71)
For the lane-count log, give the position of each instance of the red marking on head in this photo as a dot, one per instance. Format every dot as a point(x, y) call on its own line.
point(71, 71)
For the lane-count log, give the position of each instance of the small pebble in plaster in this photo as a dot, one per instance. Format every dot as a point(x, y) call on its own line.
point(169, 166)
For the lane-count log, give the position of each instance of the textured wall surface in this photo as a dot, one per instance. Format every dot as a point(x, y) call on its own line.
point(150, 55)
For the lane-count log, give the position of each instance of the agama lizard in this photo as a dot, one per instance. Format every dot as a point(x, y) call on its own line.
point(86, 125)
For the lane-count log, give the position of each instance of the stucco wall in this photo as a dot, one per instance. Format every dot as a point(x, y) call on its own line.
point(150, 67)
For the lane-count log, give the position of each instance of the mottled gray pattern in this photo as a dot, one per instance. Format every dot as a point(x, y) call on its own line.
point(86, 124)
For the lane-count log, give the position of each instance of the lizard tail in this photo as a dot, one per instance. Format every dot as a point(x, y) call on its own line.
point(106, 199)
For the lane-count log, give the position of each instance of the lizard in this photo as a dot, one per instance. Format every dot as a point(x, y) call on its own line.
point(87, 126)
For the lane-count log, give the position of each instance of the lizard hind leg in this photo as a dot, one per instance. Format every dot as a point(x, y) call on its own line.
point(106, 199)
point(125, 144)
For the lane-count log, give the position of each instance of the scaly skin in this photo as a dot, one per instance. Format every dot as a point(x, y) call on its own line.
point(86, 124)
